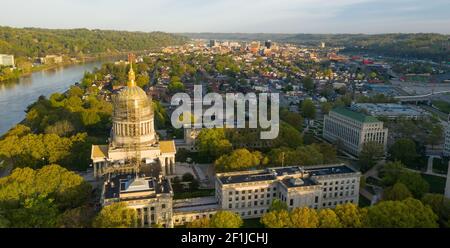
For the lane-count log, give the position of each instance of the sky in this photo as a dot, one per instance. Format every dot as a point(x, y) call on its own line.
point(244, 16)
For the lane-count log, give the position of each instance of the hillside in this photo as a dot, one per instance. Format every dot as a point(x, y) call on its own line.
point(34, 42)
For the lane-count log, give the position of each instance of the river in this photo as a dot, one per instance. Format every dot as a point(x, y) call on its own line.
point(16, 96)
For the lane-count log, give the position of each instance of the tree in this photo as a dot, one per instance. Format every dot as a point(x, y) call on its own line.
point(142, 80)
point(80, 217)
point(440, 206)
point(403, 150)
point(392, 172)
point(116, 215)
point(175, 87)
point(199, 223)
point(304, 218)
point(226, 219)
point(308, 83)
point(370, 153)
point(62, 128)
point(212, 142)
point(351, 216)
point(397, 192)
point(325, 107)
point(4, 222)
point(329, 152)
point(288, 136)
point(276, 219)
point(239, 159)
point(293, 119)
point(435, 135)
point(409, 213)
point(328, 219)
point(415, 183)
point(34, 212)
point(278, 205)
point(308, 109)
point(65, 188)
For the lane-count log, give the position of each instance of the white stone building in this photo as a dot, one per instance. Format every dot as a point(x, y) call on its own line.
point(250, 193)
point(6, 60)
point(350, 130)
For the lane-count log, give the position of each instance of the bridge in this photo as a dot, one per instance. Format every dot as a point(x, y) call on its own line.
point(420, 98)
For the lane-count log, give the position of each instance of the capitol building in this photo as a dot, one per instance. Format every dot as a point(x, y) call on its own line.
point(133, 144)
point(136, 168)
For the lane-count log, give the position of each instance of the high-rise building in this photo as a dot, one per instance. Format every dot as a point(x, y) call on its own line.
point(212, 43)
point(6, 60)
point(268, 44)
point(350, 129)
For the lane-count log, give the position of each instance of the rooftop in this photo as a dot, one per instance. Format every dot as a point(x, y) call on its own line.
point(274, 173)
point(354, 115)
point(99, 151)
point(167, 146)
point(388, 109)
point(125, 184)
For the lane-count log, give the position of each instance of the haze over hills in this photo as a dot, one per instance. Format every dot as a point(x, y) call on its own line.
point(421, 45)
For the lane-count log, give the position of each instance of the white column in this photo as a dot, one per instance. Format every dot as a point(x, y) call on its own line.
point(447, 184)
point(162, 161)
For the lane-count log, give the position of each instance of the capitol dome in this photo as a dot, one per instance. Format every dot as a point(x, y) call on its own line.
point(132, 116)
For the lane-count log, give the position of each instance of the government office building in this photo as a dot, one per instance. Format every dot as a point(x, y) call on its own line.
point(250, 193)
point(350, 130)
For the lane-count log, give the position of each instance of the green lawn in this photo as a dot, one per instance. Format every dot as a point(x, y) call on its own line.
point(437, 184)
point(252, 223)
point(193, 194)
point(442, 106)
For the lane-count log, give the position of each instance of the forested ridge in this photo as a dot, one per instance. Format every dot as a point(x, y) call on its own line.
point(34, 42)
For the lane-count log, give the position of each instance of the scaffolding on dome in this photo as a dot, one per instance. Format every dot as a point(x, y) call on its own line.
point(133, 127)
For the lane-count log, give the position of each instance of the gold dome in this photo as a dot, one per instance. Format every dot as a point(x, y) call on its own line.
point(132, 115)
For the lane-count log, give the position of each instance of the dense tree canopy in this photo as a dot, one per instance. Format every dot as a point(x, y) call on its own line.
point(397, 192)
point(308, 109)
point(116, 215)
point(226, 219)
point(78, 42)
point(403, 150)
point(212, 142)
point(406, 213)
point(395, 172)
point(370, 153)
point(35, 198)
point(240, 159)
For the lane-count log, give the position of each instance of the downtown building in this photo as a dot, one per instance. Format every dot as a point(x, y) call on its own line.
point(350, 130)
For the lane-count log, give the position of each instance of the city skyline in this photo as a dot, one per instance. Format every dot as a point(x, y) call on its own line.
point(269, 16)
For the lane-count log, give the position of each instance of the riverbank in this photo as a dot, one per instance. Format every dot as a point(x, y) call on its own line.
point(18, 74)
